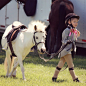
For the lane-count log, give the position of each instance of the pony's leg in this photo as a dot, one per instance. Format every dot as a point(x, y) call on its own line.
point(8, 63)
point(15, 61)
point(22, 67)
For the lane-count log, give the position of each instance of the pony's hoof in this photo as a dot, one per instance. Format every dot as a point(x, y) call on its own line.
point(13, 76)
point(54, 79)
point(6, 76)
point(25, 80)
point(9, 75)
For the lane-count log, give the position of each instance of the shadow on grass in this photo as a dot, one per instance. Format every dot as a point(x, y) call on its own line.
point(3, 76)
point(8, 77)
point(60, 81)
point(32, 57)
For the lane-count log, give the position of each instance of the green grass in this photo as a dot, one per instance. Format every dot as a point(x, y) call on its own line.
point(39, 73)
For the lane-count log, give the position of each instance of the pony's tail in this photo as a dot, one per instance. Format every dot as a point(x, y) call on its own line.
point(5, 64)
point(12, 62)
point(8, 63)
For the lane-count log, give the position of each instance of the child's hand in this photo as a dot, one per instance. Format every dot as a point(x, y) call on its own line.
point(78, 33)
point(69, 41)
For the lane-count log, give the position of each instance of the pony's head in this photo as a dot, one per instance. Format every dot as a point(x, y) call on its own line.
point(39, 35)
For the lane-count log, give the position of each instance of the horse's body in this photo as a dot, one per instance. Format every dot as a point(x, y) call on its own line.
point(59, 9)
point(23, 44)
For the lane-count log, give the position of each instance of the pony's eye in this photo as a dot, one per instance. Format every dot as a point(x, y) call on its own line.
point(44, 37)
point(36, 37)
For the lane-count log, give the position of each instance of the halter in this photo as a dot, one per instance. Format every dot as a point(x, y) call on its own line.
point(36, 44)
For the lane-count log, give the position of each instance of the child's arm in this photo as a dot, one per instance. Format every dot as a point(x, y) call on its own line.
point(65, 36)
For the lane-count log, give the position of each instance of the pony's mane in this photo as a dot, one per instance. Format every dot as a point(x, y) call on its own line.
point(40, 26)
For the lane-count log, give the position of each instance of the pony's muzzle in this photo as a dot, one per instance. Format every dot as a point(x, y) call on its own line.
point(43, 50)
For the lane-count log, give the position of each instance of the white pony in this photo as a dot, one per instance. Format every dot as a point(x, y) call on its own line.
point(26, 39)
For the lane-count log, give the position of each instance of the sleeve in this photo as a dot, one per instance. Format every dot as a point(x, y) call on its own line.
point(65, 36)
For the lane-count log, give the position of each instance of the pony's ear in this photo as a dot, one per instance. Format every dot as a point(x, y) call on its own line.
point(35, 27)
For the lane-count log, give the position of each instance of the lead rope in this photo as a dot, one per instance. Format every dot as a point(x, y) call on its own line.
point(55, 54)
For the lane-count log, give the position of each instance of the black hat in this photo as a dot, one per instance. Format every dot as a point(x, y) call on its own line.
point(69, 16)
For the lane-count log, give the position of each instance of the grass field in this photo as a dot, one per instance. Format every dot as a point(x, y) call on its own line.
point(39, 73)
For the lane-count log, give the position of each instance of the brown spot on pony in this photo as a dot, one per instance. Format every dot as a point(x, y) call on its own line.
point(59, 9)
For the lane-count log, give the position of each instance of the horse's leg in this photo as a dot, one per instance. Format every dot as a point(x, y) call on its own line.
point(47, 41)
point(51, 42)
point(53, 39)
point(8, 63)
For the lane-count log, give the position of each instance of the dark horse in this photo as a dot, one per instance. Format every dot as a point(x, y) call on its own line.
point(59, 9)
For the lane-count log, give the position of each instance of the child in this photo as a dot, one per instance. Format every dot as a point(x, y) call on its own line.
point(69, 34)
